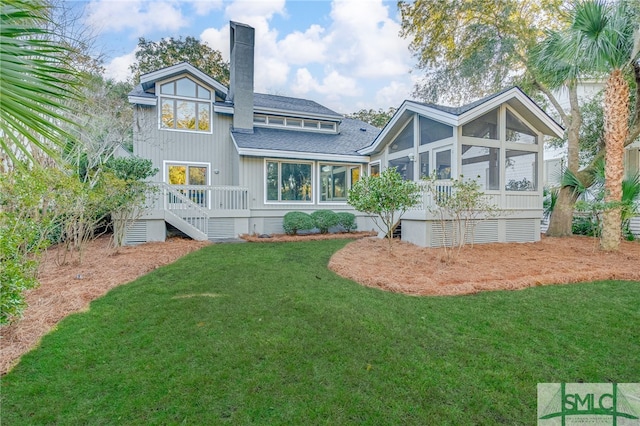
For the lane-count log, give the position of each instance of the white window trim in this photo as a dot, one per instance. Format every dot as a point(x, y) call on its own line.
point(348, 184)
point(378, 162)
point(301, 127)
point(282, 202)
point(165, 171)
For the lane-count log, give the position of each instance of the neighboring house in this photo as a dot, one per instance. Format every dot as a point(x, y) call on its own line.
point(233, 161)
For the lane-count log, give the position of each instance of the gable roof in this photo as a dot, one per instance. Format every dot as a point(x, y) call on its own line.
point(458, 116)
point(148, 80)
point(263, 103)
point(344, 146)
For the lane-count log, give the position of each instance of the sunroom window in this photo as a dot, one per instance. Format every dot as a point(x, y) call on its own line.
point(179, 113)
point(404, 140)
point(336, 180)
point(433, 131)
point(518, 131)
point(443, 164)
point(289, 181)
point(521, 171)
point(404, 166)
point(485, 127)
point(482, 164)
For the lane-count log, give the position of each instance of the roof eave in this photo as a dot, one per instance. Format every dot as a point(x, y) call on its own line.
point(142, 100)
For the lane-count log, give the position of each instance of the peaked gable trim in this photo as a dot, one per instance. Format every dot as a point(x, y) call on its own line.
point(513, 97)
point(149, 79)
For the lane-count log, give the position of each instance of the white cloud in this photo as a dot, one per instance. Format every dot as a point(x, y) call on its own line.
point(393, 94)
point(365, 39)
point(300, 48)
point(204, 7)
point(118, 68)
point(217, 39)
point(333, 84)
point(135, 16)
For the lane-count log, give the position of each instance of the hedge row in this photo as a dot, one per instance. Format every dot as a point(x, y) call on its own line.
point(320, 219)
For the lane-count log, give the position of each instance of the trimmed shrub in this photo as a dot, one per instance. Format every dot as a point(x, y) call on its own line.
point(324, 219)
point(296, 221)
point(347, 221)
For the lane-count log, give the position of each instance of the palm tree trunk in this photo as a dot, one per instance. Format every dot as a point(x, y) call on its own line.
point(616, 127)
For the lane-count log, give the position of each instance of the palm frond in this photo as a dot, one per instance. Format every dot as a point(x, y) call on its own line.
point(35, 80)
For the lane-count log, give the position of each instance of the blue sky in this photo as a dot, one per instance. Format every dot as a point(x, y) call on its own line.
point(344, 54)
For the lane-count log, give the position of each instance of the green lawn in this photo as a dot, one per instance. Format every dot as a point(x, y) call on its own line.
point(271, 336)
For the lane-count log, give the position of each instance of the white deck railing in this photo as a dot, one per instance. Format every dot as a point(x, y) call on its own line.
point(516, 200)
point(176, 201)
point(444, 187)
point(215, 197)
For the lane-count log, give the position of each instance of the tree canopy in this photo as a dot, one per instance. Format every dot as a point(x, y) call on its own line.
point(469, 49)
point(153, 55)
point(376, 118)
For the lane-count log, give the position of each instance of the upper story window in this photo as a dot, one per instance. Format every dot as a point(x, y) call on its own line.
point(518, 131)
point(185, 105)
point(294, 123)
point(485, 127)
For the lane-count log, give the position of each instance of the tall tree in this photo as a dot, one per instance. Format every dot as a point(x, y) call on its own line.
point(35, 79)
point(601, 41)
point(376, 118)
point(152, 56)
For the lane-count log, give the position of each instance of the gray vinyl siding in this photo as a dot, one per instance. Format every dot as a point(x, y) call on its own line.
point(215, 148)
point(634, 225)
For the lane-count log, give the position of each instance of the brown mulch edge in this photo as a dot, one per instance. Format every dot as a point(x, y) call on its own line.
point(419, 271)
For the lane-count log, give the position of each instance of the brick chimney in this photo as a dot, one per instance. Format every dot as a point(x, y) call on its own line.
point(242, 38)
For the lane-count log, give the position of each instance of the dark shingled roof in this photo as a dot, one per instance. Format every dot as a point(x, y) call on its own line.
point(294, 105)
point(464, 108)
point(139, 91)
point(347, 142)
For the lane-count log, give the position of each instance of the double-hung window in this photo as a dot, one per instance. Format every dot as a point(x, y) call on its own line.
point(185, 105)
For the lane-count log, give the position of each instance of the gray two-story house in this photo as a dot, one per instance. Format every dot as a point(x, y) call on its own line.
point(233, 162)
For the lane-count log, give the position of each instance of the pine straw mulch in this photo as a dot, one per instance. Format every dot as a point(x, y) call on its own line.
point(501, 266)
point(69, 288)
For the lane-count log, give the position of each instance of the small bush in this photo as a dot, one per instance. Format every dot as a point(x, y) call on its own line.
point(324, 219)
point(585, 225)
point(347, 221)
point(296, 221)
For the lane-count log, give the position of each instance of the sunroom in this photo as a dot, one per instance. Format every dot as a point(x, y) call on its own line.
point(497, 141)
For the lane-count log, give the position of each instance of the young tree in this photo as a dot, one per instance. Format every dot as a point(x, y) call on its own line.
point(153, 55)
point(386, 197)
